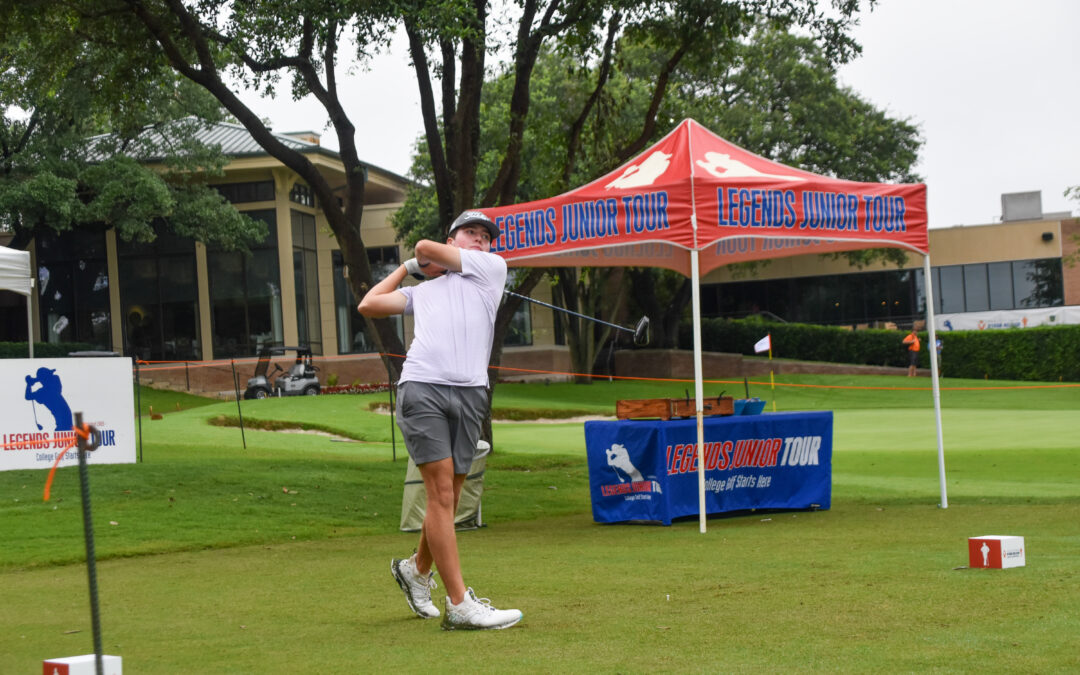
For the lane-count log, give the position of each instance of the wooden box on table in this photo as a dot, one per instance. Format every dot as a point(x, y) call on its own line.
point(667, 408)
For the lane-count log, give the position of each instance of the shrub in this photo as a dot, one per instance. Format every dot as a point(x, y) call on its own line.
point(1044, 353)
point(43, 350)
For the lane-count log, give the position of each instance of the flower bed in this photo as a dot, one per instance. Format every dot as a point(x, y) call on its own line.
point(367, 388)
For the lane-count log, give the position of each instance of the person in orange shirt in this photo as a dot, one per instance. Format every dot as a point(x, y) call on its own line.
point(913, 346)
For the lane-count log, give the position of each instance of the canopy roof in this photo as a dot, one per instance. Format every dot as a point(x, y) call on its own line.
point(746, 207)
point(15, 271)
point(693, 202)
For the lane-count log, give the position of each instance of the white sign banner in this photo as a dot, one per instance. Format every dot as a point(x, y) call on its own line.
point(39, 399)
point(1013, 318)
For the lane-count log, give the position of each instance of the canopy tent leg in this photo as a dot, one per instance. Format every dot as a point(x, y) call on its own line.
point(30, 322)
point(935, 385)
point(699, 397)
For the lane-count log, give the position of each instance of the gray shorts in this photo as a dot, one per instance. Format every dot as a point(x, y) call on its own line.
point(440, 421)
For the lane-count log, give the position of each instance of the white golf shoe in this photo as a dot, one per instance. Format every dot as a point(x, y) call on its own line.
point(417, 587)
point(477, 614)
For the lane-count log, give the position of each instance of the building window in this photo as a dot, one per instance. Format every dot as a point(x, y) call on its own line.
point(301, 194)
point(1020, 284)
point(245, 295)
point(159, 298)
point(519, 333)
point(870, 297)
point(240, 193)
point(951, 288)
point(13, 316)
point(306, 279)
point(1038, 283)
point(73, 288)
point(1000, 284)
point(352, 333)
point(976, 288)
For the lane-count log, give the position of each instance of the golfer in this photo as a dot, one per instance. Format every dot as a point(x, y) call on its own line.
point(443, 398)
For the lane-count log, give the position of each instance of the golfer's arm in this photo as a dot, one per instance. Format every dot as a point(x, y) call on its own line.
point(383, 299)
point(443, 255)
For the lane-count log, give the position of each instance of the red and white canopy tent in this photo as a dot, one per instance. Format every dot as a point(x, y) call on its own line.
point(693, 202)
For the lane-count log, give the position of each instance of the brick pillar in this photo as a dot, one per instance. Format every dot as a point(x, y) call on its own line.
point(1070, 246)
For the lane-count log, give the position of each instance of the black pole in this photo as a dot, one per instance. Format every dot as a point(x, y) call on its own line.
point(88, 534)
point(239, 413)
point(138, 405)
point(746, 385)
point(390, 382)
point(187, 376)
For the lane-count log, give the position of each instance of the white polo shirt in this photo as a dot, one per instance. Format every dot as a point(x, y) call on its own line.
point(455, 322)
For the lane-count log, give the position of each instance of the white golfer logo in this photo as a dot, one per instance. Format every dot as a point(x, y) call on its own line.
point(619, 458)
point(722, 165)
point(986, 554)
point(646, 173)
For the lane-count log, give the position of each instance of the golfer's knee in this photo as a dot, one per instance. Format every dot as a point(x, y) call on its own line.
point(441, 499)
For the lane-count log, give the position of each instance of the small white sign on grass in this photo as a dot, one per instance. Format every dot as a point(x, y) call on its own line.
point(996, 551)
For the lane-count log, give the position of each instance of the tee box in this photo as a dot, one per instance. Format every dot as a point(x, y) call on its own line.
point(995, 551)
point(82, 665)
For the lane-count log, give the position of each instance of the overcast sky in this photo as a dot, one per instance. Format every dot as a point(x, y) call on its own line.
point(992, 84)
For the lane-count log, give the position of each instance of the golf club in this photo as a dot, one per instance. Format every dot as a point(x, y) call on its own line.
point(34, 408)
point(640, 331)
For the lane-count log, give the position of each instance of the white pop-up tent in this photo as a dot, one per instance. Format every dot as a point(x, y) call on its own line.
point(694, 202)
point(15, 275)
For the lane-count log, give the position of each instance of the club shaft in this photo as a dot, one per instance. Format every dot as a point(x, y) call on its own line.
point(569, 311)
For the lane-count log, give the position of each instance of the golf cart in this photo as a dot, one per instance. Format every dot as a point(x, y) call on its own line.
point(299, 380)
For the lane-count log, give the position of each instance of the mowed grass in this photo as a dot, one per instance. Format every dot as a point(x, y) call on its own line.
point(274, 558)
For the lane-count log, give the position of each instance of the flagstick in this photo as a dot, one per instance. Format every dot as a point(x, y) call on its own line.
point(772, 383)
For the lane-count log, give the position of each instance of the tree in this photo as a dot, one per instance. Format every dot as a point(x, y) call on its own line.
point(71, 141)
point(214, 43)
point(771, 91)
point(778, 96)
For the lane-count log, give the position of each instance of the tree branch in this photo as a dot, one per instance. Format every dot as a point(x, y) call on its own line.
point(573, 144)
point(649, 127)
point(439, 168)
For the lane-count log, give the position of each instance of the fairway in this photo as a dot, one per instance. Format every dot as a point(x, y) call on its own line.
point(275, 557)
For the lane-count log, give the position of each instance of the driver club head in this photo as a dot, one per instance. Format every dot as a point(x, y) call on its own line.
point(641, 331)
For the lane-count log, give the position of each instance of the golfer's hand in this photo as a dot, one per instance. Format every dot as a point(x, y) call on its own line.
point(29, 379)
point(430, 269)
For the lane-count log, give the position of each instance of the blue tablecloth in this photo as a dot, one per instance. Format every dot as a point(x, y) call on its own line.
point(647, 469)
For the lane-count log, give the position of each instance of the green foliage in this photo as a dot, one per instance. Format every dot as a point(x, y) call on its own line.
point(763, 86)
point(1031, 354)
point(1046, 353)
point(82, 120)
point(42, 350)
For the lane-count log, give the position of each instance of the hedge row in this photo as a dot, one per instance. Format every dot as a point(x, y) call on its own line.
point(42, 350)
point(1043, 354)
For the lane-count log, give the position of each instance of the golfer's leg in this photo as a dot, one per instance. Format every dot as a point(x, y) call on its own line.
point(438, 535)
point(423, 551)
point(459, 482)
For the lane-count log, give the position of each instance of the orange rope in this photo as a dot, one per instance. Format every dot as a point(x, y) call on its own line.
point(223, 362)
point(83, 433)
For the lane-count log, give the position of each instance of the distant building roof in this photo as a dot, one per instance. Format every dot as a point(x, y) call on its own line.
point(233, 139)
point(236, 141)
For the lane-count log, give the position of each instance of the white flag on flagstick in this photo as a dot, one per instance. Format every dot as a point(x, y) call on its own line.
point(763, 345)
